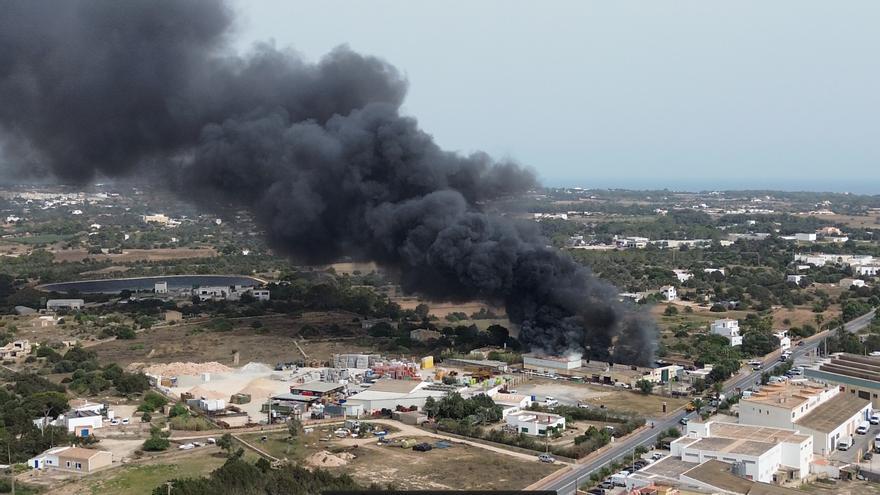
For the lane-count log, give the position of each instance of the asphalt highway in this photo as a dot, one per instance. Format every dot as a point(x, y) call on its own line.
point(568, 483)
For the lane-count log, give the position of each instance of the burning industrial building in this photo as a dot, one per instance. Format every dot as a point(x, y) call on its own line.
point(319, 152)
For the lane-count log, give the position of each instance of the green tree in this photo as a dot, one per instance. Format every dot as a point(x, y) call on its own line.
point(645, 386)
point(294, 428)
point(225, 443)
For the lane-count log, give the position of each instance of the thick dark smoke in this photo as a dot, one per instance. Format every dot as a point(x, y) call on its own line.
point(319, 152)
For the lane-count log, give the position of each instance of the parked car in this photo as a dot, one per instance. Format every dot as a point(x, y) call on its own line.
point(212, 441)
point(186, 446)
point(114, 422)
point(550, 401)
point(863, 428)
point(422, 447)
point(875, 419)
point(606, 485)
point(597, 491)
point(125, 421)
point(547, 458)
point(868, 456)
point(656, 456)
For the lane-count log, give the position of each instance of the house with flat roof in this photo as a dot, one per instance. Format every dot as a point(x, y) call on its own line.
point(511, 403)
point(728, 328)
point(535, 423)
point(854, 374)
point(55, 304)
point(770, 455)
point(551, 364)
point(812, 408)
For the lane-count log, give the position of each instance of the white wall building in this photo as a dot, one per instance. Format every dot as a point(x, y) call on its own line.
point(260, 294)
point(794, 278)
point(82, 423)
point(767, 454)
point(683, 275)
point(511, 403)
point(784, 340)
point(728, 328)
point(535, 423)
point(811, 408)
point(388, 394)
point(805, 237)
point(54, 304)
point(551, 364)
point(160, 287)
point(669, 293)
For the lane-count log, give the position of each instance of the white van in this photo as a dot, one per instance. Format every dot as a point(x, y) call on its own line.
point(845, 442)
point(875, 418)
point(863, 428)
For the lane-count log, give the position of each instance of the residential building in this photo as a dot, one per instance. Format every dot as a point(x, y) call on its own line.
point(867, 270)
point(769, 455)
point(669, 293)
point(826, 231)
point(511, 403)
point(714, 270)
point(822, 412)
point(853, 374)
point(15, 350)
point(784, 339)
point(848, 283)
point(551, 364)
point(85, 405)
point(535, 423)
point(796, 279)
point(82, 423)
point(75, 459)
point(805, 237)
point(728, 328)
point(56, 304)
point(46, 321)
point(683, 275)
point(160, 287)
point(632, 242)
point(260, 294)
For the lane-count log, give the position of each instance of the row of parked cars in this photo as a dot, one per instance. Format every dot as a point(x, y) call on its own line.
point(619, 479)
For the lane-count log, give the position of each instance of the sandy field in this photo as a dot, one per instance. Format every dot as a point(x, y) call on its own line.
point(130, 255)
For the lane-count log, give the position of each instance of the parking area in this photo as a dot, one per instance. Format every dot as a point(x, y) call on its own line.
point(861, 445)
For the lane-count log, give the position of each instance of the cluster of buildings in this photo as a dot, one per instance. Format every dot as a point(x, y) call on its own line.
point(862, 265)
point(784, 436)
point(573, 366)
point(230, 293)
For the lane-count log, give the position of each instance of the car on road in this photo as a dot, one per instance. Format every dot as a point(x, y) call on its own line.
point(187, 446)
point(683, 420)
point(547, 458)
point(656, 456)
point(422, 447)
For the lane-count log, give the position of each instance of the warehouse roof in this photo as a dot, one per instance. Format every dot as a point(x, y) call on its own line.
point(317, 386)
point(832, 413)
point(395, 386)
point(717, 474)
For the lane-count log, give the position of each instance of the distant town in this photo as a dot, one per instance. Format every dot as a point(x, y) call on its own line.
point(146, 335)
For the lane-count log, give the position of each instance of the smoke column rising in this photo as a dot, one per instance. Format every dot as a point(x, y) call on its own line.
point(318, 152)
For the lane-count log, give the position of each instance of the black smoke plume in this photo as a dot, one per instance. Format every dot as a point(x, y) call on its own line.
point(319, 152)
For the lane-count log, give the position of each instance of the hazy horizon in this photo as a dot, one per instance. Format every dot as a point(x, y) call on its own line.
point(624, 94)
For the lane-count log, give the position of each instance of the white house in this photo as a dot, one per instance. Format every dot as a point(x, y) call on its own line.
point(260, 294)
point(669, 293)
point(869, 270)
point(683, 275)
point(713, 270)
point(784, 340)
point(160, 287)
point(847, 283)
point(511, 403)
point(53, 304)
point(728, 328)
point(794, 278)
point(535, 423)
point(805, 237)
point(762, 452)
point(82, 423)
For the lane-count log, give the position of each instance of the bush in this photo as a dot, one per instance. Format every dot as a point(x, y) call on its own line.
point(156, 444)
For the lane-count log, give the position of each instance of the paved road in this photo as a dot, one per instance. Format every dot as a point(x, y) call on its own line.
point(567, 484)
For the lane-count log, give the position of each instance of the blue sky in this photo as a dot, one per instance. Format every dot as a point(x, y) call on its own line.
point(680, 94)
